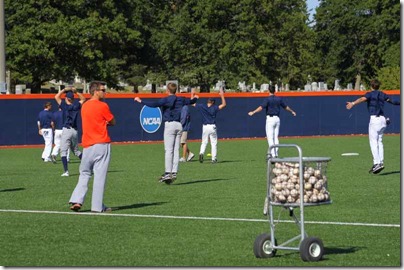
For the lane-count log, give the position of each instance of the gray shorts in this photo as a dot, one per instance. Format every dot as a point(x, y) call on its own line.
point(184, 137)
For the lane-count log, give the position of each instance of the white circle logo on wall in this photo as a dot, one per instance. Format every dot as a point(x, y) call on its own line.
point(150, 119)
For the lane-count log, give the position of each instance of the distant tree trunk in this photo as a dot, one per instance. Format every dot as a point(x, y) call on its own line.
point(358, 82)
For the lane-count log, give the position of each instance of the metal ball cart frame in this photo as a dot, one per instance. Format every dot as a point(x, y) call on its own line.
point(310, 248)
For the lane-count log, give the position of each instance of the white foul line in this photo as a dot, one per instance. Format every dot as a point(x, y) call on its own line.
point(198, 218)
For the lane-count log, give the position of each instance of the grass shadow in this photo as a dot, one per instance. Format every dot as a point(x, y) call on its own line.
point(11, 189)
point(388, 173)
point(131, 206)
point(201, 181)
point(337, 250)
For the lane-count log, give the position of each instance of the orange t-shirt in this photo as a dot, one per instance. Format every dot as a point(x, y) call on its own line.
point(95, 114)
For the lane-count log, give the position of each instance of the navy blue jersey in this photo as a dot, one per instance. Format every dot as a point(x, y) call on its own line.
point(171, 106)
point(208, 113)
point(272, 105)
point(185, 118)
point(45, 119)
point(375, 101)
point(57, 118)
point(70, 113)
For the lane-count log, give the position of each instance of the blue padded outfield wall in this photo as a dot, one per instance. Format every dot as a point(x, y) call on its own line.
point(317, 114)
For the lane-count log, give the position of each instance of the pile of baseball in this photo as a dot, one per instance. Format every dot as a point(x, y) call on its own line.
point(285, 186)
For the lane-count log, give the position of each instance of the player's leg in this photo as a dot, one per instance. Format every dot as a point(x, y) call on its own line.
point(169, 142)
point(75, 143)
point(64, 146)
point(86, 167)
point(213, 142)
point(47, 136)
point(184, 146)
point(205, 139)
point(373, 139)
point(380, 134)
point(269, 129)
point(277, 125)
point(177, 142)
point(103, 154)
point(57, 139)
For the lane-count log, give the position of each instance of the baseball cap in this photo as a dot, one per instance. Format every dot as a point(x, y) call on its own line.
point(70, 94)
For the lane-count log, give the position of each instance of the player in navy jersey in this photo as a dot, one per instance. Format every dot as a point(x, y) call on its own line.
point(171, 109)
point(209, 130)
point(377, 124)
point(272, 106)
point(71, 109)
point(45, 126)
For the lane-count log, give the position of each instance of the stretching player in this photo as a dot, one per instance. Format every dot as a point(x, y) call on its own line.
point(187, 155)
point(375, 101)
point(208, 112)
point(45, 126)
point(171, 107)
point(96, 117)
point(272, 106)
point(57, 118)
point(71, 109)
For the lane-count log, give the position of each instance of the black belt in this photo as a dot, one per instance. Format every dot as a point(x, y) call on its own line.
point(70, 127)
point(271, 115)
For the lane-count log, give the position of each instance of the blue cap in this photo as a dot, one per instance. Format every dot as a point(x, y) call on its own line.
point(70, 94)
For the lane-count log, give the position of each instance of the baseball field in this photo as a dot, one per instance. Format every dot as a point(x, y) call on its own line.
point(210, 216)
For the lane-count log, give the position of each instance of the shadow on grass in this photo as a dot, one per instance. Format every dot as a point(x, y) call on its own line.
point(131, 206)
point(11, 189)
point(201, 181)
point(388, 173)
point(327, 251)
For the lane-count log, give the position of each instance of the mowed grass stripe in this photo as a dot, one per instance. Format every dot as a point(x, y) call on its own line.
point(198, 218)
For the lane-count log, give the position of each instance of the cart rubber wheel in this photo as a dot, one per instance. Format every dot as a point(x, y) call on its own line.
point(263, 246)
point(311, 249)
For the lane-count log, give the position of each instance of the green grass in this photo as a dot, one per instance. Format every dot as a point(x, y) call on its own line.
point(233, 188)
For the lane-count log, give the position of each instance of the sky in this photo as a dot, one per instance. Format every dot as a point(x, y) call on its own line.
point(312, 4)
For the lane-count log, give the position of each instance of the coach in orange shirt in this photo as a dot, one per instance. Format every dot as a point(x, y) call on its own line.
point(96, 116)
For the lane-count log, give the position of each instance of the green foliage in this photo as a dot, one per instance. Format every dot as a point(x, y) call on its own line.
point(389, 78)
point(200, 42)
point(357, 37)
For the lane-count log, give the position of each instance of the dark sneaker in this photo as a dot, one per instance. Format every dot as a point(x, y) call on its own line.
point(53, 158)
point(75, 207)
point(378, 168)
point(166, 178)
point(201, 158)
point(214, 161)
point(373, 168)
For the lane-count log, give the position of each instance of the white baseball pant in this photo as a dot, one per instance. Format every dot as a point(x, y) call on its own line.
point(272, 130)
point(209, 132)
point(47, 135)
point(377, 125)
point(57, 140)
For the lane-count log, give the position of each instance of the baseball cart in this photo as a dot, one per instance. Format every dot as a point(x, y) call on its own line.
point(293, 182)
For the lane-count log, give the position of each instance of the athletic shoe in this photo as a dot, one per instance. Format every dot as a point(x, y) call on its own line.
point(182, 159)
point(66, 173)
point(379, 167)
point(165, 177)
point(53, 158)
point(373, 168)
point(214, 161)
point(47, 160)
point(201, 158)
point(75, 207)
point(105, 209)
point(190, 156)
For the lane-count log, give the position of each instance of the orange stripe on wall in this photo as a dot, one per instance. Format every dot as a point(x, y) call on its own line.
point(206, 95)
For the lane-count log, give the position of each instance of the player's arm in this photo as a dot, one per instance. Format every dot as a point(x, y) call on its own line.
point(394, 102)
point(80, 95)
point(39, 127)
point(112, 122)
point(290, 110)
point(58, 96)
point(221, 93)
point(349, 105)
point(255, 111)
